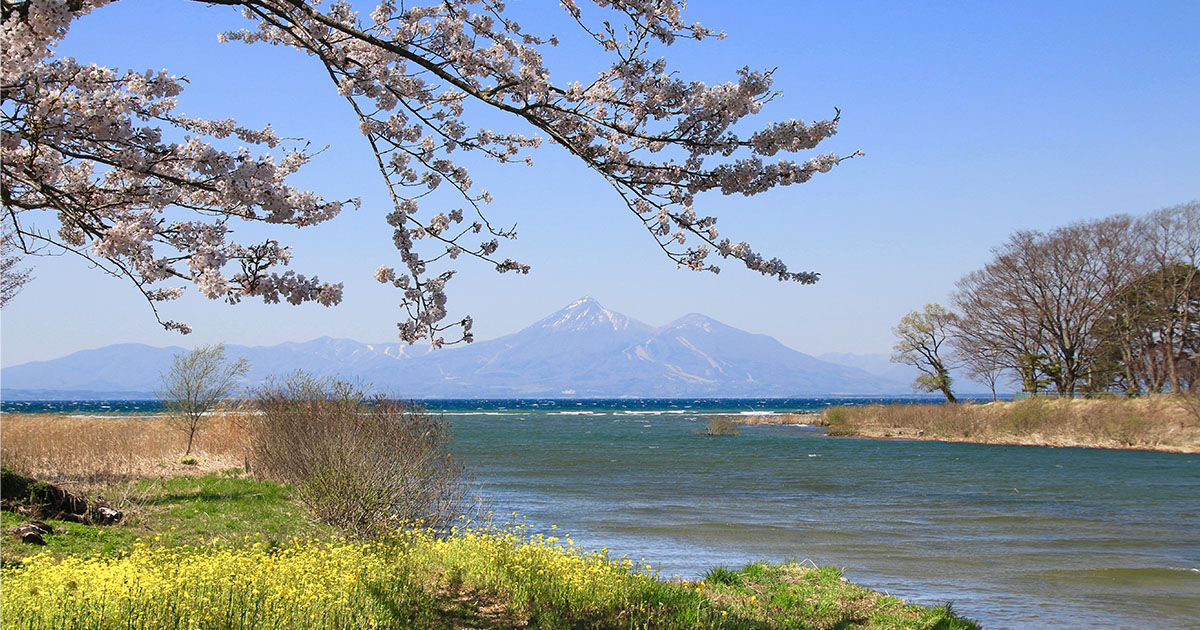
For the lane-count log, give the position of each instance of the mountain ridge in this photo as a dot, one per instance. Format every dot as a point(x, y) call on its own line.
point(582, 351)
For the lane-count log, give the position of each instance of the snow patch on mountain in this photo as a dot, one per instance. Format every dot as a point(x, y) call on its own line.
point(584, 349)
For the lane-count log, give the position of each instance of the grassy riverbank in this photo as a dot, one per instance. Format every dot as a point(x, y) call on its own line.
point(225, 550)
point(1155, 423)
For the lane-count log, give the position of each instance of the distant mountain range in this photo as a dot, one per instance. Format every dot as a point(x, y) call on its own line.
point(581, 351)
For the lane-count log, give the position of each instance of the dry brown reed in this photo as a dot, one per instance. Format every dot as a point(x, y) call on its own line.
point(1158, 422)
point(83, 452)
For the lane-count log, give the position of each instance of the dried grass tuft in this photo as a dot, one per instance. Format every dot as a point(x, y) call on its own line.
point(87, 452)
point(1155, 422)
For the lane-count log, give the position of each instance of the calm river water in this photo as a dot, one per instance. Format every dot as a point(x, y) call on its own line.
point(1014, 536)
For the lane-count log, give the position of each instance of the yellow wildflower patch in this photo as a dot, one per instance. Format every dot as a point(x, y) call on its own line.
point(313, 584)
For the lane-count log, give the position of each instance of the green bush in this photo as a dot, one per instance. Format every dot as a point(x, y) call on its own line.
point(837, 421)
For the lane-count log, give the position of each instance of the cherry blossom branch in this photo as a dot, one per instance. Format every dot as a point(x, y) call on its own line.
point(407, 73)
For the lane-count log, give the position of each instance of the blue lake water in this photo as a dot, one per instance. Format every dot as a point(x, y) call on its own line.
point(1015, 536)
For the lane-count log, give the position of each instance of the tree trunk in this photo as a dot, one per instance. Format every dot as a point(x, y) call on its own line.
point(944, 383)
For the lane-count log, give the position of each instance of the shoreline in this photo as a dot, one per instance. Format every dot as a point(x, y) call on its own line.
point(1129, 425)
point(500, 575)
point(1159, 424)
point(910, 434)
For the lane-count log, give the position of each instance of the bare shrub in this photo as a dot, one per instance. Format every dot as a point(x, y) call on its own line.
point(363, 464)
point(1190, 403)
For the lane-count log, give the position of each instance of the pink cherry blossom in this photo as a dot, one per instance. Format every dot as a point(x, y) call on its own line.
point(86, 145)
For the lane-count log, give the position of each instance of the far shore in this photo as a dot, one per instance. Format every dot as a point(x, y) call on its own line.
point(1037, 439)
point(1157, 423)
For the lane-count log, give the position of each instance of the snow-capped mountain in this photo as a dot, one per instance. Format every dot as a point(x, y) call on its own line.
point(582, 350)
point(587, 314)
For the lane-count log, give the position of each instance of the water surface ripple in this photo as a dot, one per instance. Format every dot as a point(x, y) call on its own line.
point(1015, 536)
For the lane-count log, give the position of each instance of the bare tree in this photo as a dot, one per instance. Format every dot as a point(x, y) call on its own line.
point(922, 337)
point(982, 361)
point(993, 321)
point(1045, 293)
point(1152, 327)
point(196, 382)
point(1172, 241)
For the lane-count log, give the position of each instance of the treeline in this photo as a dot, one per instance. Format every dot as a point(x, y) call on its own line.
point(1109, 305)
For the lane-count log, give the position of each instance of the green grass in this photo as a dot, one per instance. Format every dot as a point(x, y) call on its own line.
point(792, 595)
point(182, 547)
point(178, 511)
point(68, 539)
point(197, 510)
point(723, 575)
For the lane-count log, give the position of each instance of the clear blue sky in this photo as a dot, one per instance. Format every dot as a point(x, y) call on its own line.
point(977, 120)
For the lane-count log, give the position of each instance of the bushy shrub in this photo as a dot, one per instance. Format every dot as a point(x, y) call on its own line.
point(365, 464)
point(720, 425)
point(835, 415)
point(837, 421)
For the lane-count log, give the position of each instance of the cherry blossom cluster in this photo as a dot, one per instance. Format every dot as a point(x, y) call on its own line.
point(85, 145)
point(409, 72)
